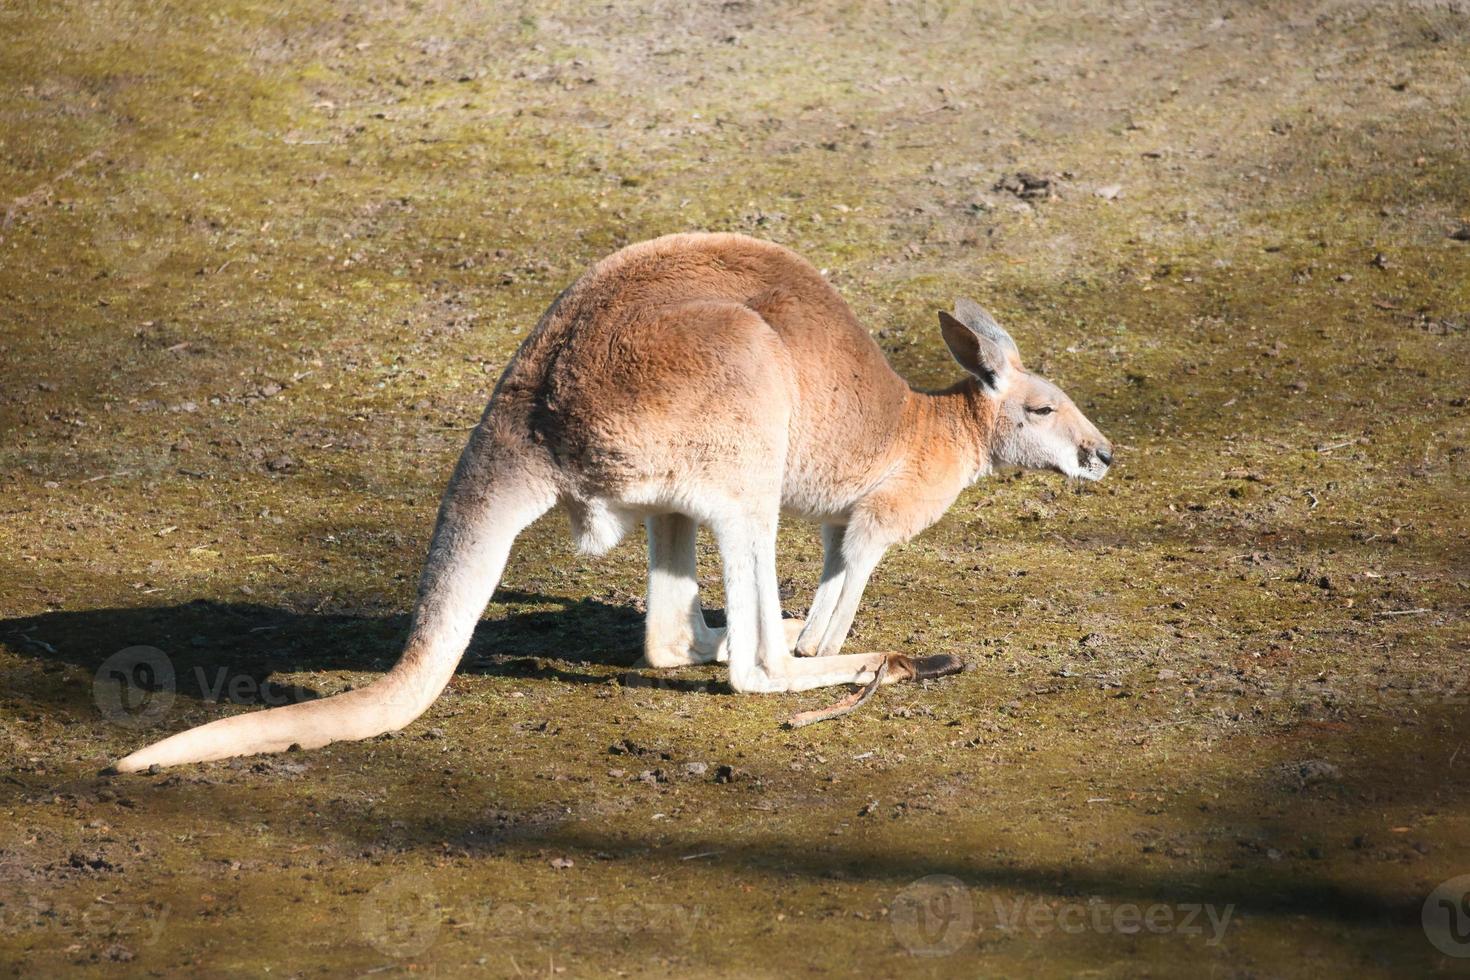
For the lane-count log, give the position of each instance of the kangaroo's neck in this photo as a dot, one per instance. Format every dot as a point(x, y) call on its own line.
point(949, 432)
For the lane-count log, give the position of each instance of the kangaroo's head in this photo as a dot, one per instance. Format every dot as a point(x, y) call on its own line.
point(1036, 425)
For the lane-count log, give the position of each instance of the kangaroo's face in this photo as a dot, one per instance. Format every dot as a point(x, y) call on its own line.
point(1037, 426)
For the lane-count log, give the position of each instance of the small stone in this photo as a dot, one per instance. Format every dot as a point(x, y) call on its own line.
point(1315, 771)
point(1027, 186)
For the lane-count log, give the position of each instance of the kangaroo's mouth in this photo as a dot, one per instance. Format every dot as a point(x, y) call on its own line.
point(1089, 473)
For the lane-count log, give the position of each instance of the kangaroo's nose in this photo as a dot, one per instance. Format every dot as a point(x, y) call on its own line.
point(1106, 455)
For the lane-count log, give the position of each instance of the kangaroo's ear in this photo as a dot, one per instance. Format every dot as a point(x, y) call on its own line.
point(989, 355)
point(974, 316)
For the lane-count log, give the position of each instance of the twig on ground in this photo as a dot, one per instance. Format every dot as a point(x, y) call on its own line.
point(847, 705)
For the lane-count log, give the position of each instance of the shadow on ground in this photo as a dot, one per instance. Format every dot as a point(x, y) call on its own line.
point(223, 651)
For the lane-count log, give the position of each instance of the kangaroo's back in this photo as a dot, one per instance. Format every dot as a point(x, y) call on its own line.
point(629, 332)
point(631, 286)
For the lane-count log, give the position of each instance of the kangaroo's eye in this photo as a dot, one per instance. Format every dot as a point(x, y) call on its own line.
point(1041, 410)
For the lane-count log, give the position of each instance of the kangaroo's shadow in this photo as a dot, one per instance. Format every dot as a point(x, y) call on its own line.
point(225, 651)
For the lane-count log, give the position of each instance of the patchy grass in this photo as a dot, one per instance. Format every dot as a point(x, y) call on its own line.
point(262, 264)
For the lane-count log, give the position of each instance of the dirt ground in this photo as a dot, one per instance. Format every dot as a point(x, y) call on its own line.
point(261, 263)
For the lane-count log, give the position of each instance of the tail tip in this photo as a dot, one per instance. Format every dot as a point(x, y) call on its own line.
point(128, 764)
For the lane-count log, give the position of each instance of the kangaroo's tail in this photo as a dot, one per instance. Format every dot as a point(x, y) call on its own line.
point(479, 519)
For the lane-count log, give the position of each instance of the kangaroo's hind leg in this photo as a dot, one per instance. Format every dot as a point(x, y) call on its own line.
point(675, 633)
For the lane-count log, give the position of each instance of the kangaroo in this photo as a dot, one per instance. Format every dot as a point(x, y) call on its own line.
point(709, 379)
